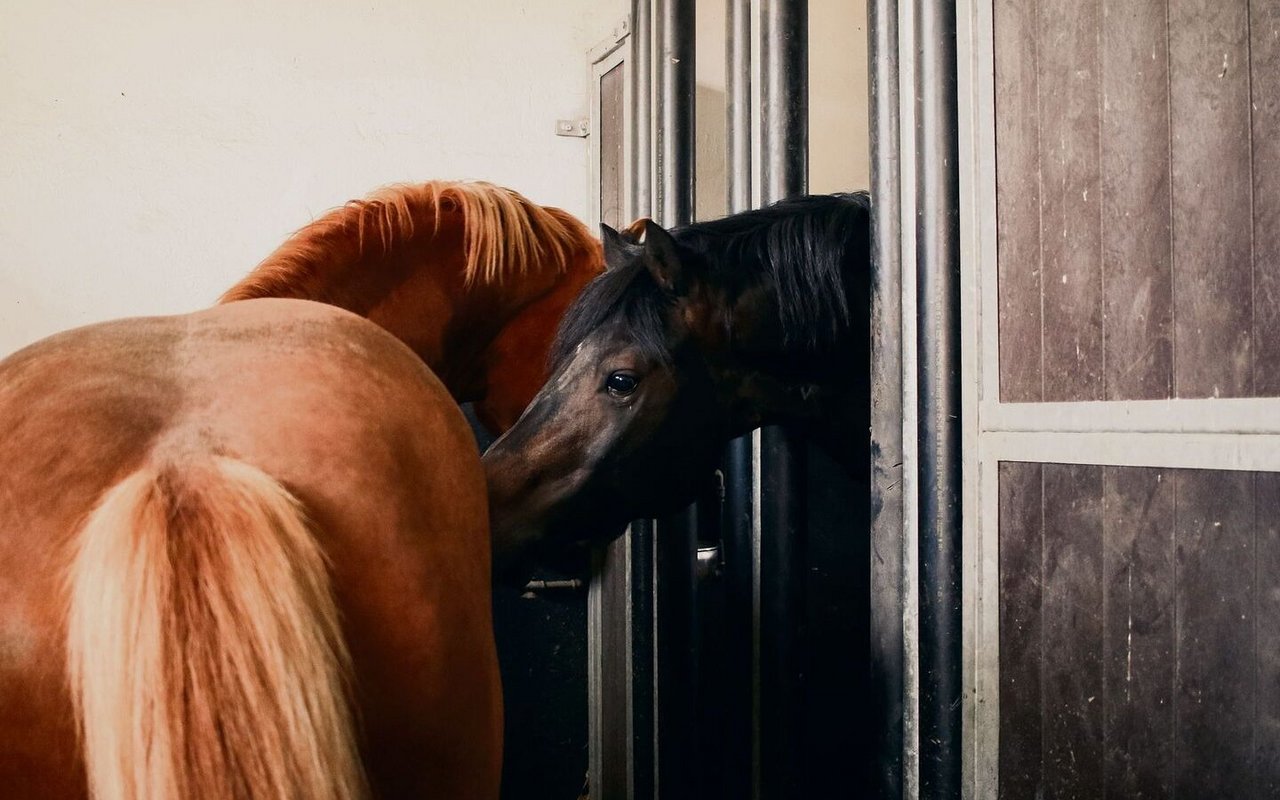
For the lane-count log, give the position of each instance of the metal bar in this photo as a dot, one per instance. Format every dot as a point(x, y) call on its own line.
point(641, 708)
point(738, 104)
point(675, 664)
point(736, 531)
point(784, 98)
point(910, 408)
point(674, 30)
point(939, 463)
point(784, 153)
point(783, 565)
point(886, 405)
point(641, 127)
point(609, 678)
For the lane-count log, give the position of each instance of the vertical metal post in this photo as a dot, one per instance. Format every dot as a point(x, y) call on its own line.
point(939, 463)
point(641, 129)
point(784, 149)
point(738, 104)
point(677, 536)
point(736, 534)
point(886, 405)
point(784, 98)
point(675, 108)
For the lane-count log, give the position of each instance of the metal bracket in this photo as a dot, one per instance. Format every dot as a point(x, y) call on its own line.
point(578, 128)
point(536, 587)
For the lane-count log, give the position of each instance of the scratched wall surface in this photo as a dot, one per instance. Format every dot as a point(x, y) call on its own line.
point(1138, 197)
point(1139, 632)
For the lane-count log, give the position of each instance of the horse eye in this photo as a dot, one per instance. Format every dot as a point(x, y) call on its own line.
point(621, 384)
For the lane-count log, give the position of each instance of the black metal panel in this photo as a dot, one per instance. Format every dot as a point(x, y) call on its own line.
point(886, 662)
point(938, 331)
point(542, 651)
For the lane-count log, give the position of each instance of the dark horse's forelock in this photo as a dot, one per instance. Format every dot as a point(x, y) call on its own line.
point(800, 246)
point(627, 294)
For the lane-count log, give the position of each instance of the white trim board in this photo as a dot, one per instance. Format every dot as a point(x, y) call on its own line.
point(1239, 416)
point(979, 380)
point(1217, 451)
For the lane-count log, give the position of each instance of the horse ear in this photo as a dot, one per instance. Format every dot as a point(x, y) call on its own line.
point(617, 250)
point(635, 231)
point(662, 257)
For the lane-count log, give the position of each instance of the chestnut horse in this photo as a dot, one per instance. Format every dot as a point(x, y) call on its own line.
point(244, 552)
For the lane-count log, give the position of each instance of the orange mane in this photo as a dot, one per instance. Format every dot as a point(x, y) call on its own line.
point(503, 233)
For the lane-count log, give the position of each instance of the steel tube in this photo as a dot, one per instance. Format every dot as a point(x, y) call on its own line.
point(938, 369)
point(784, 98)
point(738, 104)
point(676, 542)
point(784, 153)
point(641, 127)
point(886, 404)
point(674, 31)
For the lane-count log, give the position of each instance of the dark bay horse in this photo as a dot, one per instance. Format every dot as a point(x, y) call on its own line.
point(244, 552)
point(694, 337)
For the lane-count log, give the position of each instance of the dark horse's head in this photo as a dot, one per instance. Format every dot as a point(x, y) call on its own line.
point(690, 338)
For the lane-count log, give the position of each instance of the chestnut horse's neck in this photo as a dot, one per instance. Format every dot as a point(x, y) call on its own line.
point(444, 266)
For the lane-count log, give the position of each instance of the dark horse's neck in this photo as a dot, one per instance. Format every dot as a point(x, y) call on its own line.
point(799, 351)
point(831, 410)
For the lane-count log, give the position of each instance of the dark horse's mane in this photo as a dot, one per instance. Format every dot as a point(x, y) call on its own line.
point(796, 248)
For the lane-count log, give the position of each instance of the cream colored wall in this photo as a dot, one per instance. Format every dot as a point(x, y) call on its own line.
point(155, 151)
point(839, 131)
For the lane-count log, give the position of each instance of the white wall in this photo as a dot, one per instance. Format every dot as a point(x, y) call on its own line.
point(152, 152)
point(839, 130)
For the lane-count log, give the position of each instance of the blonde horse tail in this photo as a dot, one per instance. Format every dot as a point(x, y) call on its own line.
point(205, 655)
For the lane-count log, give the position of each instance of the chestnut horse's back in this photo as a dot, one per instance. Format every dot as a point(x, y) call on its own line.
point(218, 534)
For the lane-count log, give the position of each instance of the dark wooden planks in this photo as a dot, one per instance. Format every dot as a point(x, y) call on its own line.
point(1071, 620)
point(1138, 198)
point(1209, 108)
point(1264, 32)
point(1267, 616)
point(1140, 654)
point(1137, 259)
point(1138, 580)
point(1070, 197)
point(1018, 199)
point(1215, 681)
point(1021, 722)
